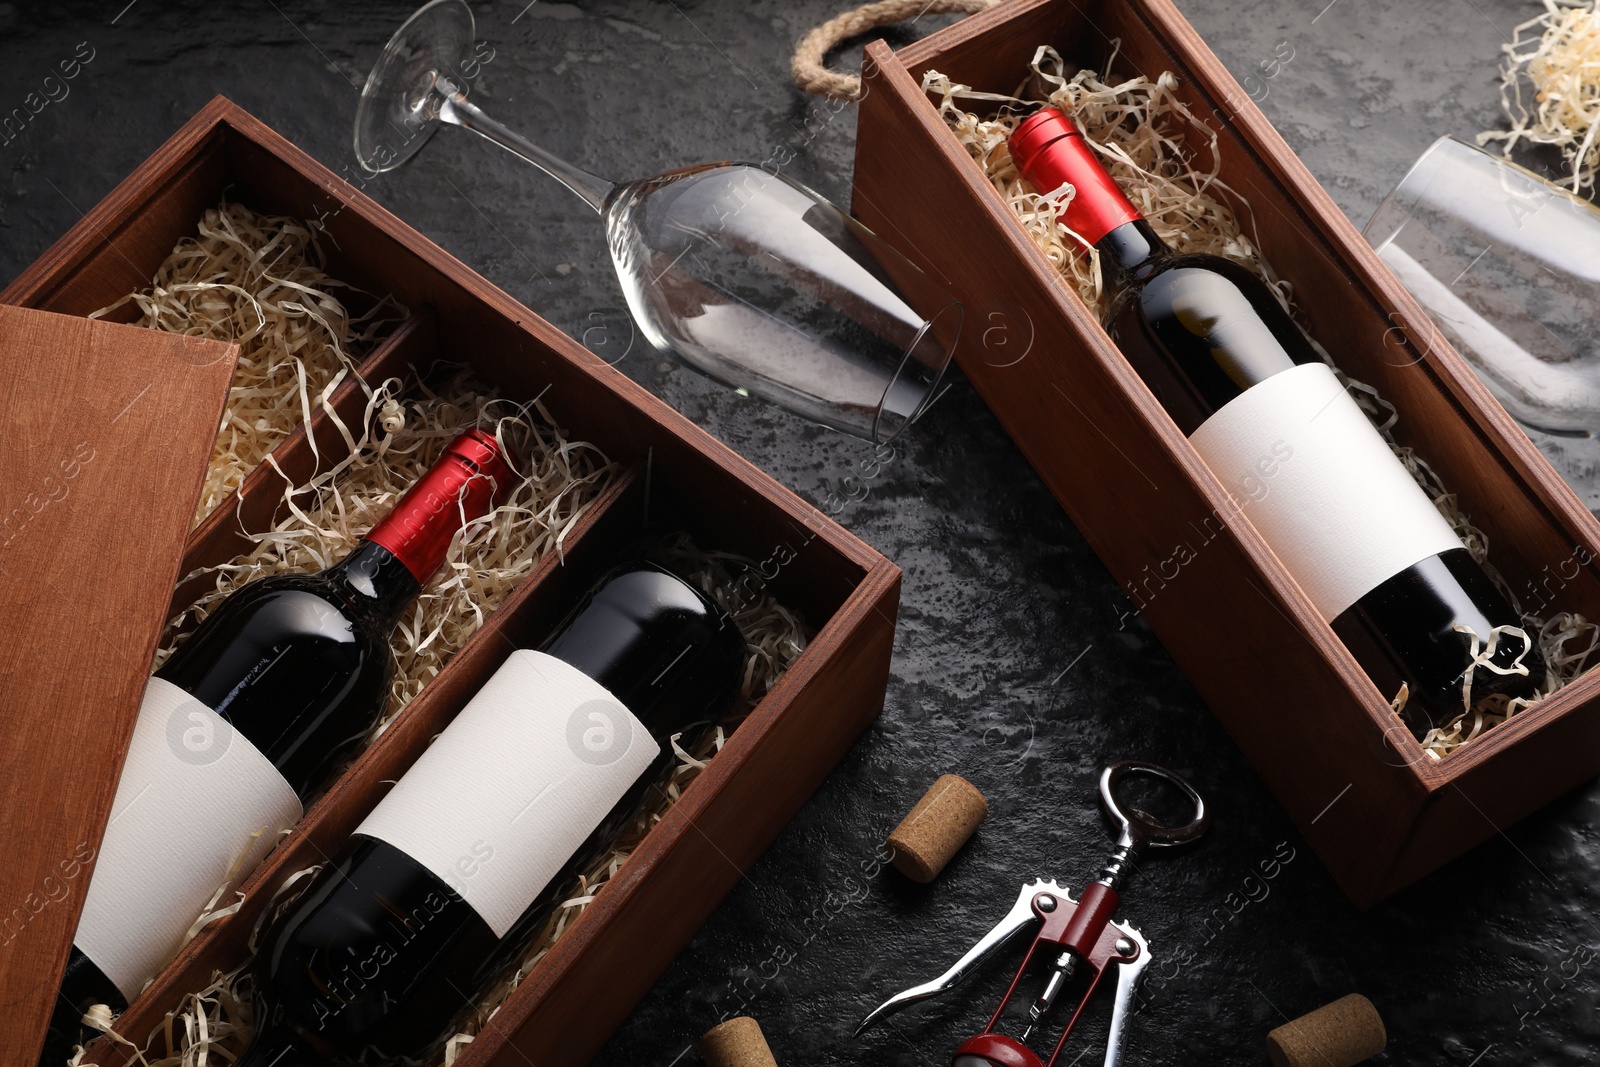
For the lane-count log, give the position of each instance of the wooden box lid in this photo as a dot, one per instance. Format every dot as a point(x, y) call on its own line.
point(108, 432)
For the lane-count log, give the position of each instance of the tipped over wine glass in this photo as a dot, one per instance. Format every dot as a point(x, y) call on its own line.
point(750, 278)
point(1507, 264)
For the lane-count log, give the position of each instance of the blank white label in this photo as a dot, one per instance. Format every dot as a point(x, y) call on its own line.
point(196, 800)
point(515, 785)
point(1322, 485)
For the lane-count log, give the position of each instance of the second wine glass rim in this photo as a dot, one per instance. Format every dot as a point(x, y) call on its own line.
point(931, 391)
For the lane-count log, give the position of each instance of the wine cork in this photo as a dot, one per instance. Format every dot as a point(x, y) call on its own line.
point(937, 827)
point(1340, 1034)
point(738, 1042)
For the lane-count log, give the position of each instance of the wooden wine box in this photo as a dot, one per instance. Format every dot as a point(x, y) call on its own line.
point(673, 477)
point(1378, 811)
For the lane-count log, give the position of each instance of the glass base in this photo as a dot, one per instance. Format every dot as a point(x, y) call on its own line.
point(399, 108)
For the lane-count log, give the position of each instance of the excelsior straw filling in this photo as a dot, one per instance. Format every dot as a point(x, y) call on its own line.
point(1558, 55)
point(1137, 127)
point(258, 281)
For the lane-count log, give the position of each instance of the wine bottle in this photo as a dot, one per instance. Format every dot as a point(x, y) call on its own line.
point(243, 723)
point(1295, 452)
point(456, 866)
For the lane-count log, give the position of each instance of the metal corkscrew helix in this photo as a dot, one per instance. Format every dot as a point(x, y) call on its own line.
point(1078, 935)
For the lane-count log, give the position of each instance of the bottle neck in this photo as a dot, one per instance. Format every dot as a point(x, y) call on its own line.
point(1051, 152)
point(376, 582)
point(1129, 251)
point(463, 485)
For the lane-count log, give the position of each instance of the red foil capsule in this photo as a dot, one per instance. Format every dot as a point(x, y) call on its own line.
point(1051, 151)
point(467, 481)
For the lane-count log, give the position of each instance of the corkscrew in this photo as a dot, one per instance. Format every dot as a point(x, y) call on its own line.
point(1077, 936)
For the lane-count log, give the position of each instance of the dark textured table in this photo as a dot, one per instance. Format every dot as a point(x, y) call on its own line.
point(1010, 666)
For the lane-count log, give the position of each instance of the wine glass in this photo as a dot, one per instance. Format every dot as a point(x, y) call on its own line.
point(1507, 264)
point(744, 275)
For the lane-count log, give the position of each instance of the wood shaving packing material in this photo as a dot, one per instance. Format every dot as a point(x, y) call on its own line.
point(1137, 125)
point(258, 281)
point(1557, 56)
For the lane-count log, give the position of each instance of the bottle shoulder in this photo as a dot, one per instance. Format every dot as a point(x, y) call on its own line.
point(281, 605)
point(1177, 276)
point(358, 598)
point(295, 630)
point(1201, 330)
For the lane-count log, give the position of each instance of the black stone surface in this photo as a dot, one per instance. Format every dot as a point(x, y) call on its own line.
point(1010, 666)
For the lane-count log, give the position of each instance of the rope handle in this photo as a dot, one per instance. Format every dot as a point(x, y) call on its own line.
point(812, 75)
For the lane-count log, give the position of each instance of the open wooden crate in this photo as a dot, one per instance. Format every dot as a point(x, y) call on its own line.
point(671, 476)
point(1378, 811)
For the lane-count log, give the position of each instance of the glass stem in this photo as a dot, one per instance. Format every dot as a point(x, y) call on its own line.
point(459, 111)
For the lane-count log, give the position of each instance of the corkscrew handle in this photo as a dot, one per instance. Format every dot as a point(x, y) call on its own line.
point(1138, 830)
